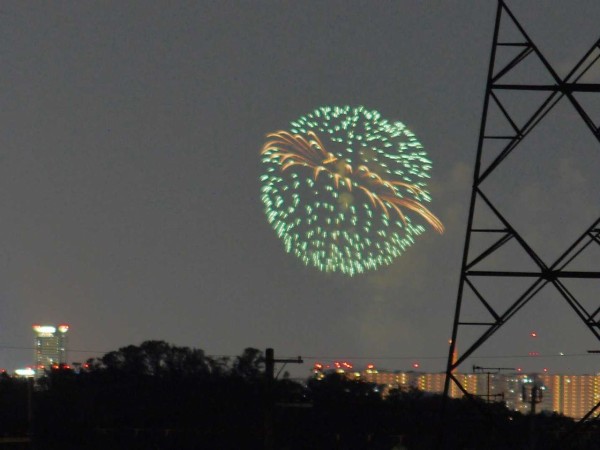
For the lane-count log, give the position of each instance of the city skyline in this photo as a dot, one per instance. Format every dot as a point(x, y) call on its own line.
point(131, 164)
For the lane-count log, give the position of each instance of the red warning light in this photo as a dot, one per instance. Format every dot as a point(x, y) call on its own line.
point(416, 365)
point(545, 369)
point(370, 366)
point(533, 334)
point(519, 369)
point(534, 353)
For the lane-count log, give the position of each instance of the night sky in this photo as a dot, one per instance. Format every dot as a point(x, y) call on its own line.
point(129, 175)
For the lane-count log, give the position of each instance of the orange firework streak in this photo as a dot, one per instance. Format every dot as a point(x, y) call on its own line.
point(296, 150)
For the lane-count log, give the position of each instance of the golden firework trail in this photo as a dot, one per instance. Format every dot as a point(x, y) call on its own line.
point(296, 150)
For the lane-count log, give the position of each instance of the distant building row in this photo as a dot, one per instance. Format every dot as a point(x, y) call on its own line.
point(571, 395)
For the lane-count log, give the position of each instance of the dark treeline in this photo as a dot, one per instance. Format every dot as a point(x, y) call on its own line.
point(160, 396)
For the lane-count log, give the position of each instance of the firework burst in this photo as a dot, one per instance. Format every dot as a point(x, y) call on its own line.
point(350, 204)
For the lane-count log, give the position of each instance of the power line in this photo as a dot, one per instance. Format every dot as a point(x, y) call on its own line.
point(412, 357)
point(345, 357)
point(16, 347)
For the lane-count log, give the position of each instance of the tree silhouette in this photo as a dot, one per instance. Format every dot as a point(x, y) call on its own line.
point(159, 396)
point(250, 364)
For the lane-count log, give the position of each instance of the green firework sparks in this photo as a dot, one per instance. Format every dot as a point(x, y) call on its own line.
point(344, 188)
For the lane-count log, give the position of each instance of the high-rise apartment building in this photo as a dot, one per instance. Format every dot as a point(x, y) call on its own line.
point(571, 395)
point(394, 380)
point(50, 347)
point(427, 382)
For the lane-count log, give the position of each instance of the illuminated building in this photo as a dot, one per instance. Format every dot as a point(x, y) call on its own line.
point(50, 347)
point(570, 395)
point(426, 382)
point(434, 383)
point(389, 380)
point(27, 372)
point(554, 385)
point(470, 381)
point(573, 395)
point(431, 382)
point(579, 394)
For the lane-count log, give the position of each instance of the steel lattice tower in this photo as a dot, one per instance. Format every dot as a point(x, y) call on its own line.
point(493, 148)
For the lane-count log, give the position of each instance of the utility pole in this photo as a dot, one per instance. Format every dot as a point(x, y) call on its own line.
point(489, 397)
point(534, 397)
point(489, 371)
point(269, 394)
point(30, 407)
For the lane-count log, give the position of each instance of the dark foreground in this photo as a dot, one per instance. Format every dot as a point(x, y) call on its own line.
point(157, 396)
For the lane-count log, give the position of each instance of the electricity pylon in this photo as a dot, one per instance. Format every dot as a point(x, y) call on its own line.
point(499, 138)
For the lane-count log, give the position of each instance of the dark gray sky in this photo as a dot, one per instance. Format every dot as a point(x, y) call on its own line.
point(129, 173)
